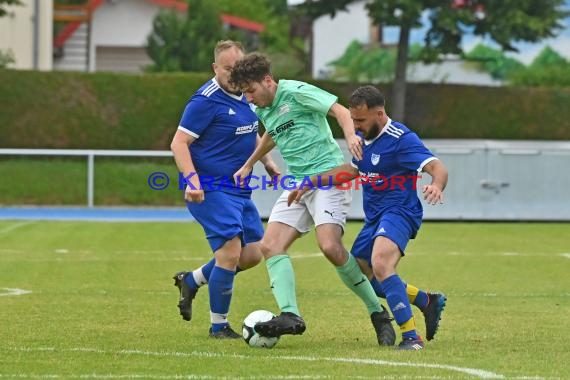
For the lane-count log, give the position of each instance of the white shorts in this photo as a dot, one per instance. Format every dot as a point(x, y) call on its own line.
point(316, 207)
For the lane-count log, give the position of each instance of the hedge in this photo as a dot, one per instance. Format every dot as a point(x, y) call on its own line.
point(118, 111)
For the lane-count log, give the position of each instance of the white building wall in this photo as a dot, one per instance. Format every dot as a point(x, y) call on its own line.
point(123, 23)
point(17, 34)
point(331, 36)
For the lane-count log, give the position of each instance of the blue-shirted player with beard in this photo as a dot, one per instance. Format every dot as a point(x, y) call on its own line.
point(392, 157)
point(216, 135)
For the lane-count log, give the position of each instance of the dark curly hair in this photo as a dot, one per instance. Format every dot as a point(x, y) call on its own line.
point(251, 68)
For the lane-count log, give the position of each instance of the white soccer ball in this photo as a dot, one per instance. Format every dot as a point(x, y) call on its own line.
point(253, 338)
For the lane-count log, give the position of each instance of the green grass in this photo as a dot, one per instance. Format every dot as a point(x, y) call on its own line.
point(103, 306)
point(63, 181)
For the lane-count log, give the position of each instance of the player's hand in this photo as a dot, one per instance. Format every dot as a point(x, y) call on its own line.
point(432, 194)
point(295, 195)
point(355, 146)
point(241, 175)
point(194, 195)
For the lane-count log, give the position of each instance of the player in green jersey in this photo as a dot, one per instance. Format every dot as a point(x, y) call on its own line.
point(294, 115)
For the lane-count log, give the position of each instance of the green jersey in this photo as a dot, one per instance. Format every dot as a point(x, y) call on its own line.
point(296, 120)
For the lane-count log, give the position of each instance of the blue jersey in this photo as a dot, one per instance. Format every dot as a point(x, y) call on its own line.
point(390, 166)
point(225, 128)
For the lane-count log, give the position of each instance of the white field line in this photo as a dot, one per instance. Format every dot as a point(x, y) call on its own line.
point(306, 255)
point(204, 377)
point(480, 373)
point(14, 226)
point(13, 292)
point(567, 255)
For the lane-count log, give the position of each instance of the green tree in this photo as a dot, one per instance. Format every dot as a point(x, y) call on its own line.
point(370, 64)
point(494, 61)
point(185, 42)
point(548, 69)
point(549, 57)
point(502, 21)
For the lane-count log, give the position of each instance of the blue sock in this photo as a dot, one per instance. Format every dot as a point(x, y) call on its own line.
point(421, 300)
point(200, 276)
point(220, 289)
point(377, 287)
point(397, 299)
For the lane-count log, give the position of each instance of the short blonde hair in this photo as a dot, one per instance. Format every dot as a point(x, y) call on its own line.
point(225, 45)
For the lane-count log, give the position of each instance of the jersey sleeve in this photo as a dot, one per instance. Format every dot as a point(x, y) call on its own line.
point(313, 97)
point(198, 114)
point(412, 153)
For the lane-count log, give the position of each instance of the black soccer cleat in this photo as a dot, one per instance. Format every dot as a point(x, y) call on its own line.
point(224, 333)
point(187, 295)
point(432, 313)
point(286, 323)
point(411, 344)
point(382, 323)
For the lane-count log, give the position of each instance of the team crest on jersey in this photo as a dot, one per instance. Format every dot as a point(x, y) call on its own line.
point(283, 109)
point(375, 158)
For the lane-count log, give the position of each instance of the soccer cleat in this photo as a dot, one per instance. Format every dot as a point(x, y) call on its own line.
point(432, 313)
point(286, 323)
point(411, 344)
point(225, 333)
point(187, 295)
point(382, 323)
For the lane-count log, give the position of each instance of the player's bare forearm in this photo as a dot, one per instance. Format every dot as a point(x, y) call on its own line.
point(179, 147)
point(433, 193)
point(438, 172)
point(183, 159)
point(342, 115)
point(266, 160)
point(339, 175)
point(265, 145)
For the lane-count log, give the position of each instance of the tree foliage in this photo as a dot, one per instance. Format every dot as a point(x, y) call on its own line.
point(370, 64)
point(504, 22)
point(185, 42)
point(494, 61)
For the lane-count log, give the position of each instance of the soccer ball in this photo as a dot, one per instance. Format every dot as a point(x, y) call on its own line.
point(253, 338)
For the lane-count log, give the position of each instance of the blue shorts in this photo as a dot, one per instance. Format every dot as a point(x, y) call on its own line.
point(395, 226)
point(225, 216)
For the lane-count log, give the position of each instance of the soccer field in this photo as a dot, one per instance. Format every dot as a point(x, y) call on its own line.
point(96, 300)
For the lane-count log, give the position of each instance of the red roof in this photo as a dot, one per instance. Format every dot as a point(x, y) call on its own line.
point(232, 20)
point(180, 6)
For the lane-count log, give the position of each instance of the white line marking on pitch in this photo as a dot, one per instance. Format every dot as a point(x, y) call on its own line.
point(483, 374)
point(13, 292)
point(567, 255)
point(12, 227)
point(306, 255)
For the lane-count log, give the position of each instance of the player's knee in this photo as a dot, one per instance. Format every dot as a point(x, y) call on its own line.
point(381, 266)
point(334, 252)
point(269, 248)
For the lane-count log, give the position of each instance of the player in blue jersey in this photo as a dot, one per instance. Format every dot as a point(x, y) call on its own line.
point(216, 135)
point(392, 157)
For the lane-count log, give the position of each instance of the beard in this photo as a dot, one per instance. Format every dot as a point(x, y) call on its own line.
point(372, 132)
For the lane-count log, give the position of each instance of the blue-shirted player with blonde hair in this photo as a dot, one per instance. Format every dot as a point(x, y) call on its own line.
point(392, 157)
point(216, 135)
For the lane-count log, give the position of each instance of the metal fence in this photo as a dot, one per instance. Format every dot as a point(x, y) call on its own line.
point(488, 179)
